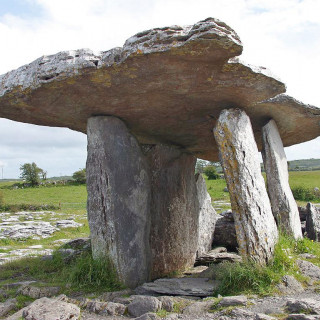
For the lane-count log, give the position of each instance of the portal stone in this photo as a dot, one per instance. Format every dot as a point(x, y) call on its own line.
point(255, 226)
point(207, 217)
point(174, 209)
point(313, 222)
point(118, 199)
point(284, 207)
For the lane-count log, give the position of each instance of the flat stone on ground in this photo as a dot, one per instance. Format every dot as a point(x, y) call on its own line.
point(198, 287)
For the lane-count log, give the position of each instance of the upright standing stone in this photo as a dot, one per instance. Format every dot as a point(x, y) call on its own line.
point(284, 207)
point(207, 217)
point(174, 209)
point(118, 199)
point(255, 226)
point(313, 222)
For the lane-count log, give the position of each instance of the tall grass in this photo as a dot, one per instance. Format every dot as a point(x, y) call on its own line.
point(248, 277)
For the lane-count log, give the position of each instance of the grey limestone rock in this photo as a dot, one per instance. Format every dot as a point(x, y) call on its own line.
point(224, 231)
point(198, 308)
point(49, 309)
point(217, 257)
point(233, 301)
point(148, 316)
point(167, 303)
point(255, 226)
point(174, 209)
point(313, 222)
point(38, 292)
point(207, 217)
point(284, 207)
point(118, 199)
point(143, 304)
point(7, 306)
point(197, 287)
point(290, 285)
point(106, 308)
point(309, 269)
point(305, 305)
point(301, 316)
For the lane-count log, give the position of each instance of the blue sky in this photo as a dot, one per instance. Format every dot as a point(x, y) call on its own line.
point(282, 35)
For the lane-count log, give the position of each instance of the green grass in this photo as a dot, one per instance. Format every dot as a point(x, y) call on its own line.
point(81, 274)
point(249, 278)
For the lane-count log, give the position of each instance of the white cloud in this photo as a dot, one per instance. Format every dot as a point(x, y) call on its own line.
point(283, 35)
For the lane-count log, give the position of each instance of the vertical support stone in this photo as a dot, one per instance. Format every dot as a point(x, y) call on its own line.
point(207, 217)
point(284, 207)
point(118, 199)
point(313, 222)
point(174, 209)
point(255, 226)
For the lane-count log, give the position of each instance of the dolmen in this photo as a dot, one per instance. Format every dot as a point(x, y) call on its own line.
point(149, 109)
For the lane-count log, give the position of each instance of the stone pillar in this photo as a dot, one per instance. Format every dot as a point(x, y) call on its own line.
point(255, 226)
point(284, 207)
point(118, 199)
point(207, 217)
point(313, 222)
point(174, 209)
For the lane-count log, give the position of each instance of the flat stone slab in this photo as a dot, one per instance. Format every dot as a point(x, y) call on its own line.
point(168, 85)
point(198, 287)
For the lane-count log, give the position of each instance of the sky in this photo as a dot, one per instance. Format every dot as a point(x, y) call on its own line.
point(282, 35)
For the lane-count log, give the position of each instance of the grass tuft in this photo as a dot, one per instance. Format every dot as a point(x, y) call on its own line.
point(249, 278)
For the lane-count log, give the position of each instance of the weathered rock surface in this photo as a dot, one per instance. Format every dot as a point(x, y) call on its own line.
point(106, 308)
point(290, 285)
point(306, 305)
point(120, 77)
point(174, 209)
point(309, 269)
point(301, 316)
point(118, 199)
point(284, 207)
point(7, 306)
point(38, 292)
point(198, 287)
point(198, 308)
point(313, 222)
point(49, 309)
point(214, 257)
point(207, 217)
point(224, 231)
point(255, 226)
point(233, 301)
point(143, 304)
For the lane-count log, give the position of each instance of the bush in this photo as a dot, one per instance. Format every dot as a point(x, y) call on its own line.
point(1, 198)
point(303, 194)
point(211, 173)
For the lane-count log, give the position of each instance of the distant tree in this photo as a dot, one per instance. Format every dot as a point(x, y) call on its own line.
point(30, 172)
point(200, 165)
point(211, 173)
point(80, 176)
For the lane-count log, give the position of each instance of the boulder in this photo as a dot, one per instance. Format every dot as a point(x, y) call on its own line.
point(290, 285)
point(313, 222)
point(207, 217)
point(143, 304)
point(284, 207)
point(174, 209)
point(106, 308)
point(49, 309)
point(255, 226)
point(118, 199)
point(224, 231)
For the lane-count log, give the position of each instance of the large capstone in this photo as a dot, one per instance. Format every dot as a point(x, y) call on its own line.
point(174, 209)
point(284, 207)
point(255, 226)
point(207, 217)
point(118, 199)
